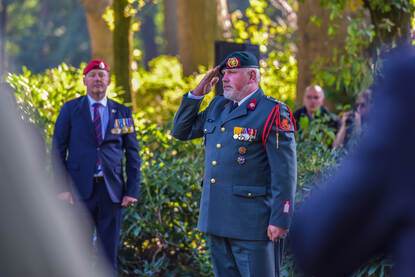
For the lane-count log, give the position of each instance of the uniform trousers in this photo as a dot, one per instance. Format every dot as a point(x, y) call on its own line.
point(106, 219)
point(245, 258)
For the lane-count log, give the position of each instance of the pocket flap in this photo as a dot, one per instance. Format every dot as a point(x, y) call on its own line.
point(209, 128)
point(249, 191)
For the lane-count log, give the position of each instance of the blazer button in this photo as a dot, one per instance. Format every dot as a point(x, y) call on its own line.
point(218, 145)
point(222, 129)
point(212, 180)
point(214, 163)
point(249, 194)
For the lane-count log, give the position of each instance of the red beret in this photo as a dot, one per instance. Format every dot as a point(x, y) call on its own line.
point(95, 64)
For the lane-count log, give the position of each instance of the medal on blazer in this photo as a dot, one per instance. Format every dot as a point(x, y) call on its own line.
point(124, 128)
point(130, 125)
point(242, 150)
point(116, 130)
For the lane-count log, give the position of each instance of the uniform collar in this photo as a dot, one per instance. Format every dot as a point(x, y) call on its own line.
point(92, 101)
point(246, 97)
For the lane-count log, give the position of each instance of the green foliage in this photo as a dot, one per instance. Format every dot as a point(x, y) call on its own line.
point(41, 34)
point(279, 69)
point(159, 91)
point(353, 69)
point(163, 226)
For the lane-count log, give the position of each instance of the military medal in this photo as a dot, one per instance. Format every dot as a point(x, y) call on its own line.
point(116, 130)
point(241, 160)
point(242, 150)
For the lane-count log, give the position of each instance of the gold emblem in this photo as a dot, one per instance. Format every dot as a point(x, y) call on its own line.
point(241, 160)
point(232, 62)
point(115, 131)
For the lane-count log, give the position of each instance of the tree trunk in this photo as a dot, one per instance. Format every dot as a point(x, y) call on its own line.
point(198, 29)
point(314, 42)
point(3, 22)
point(170, 27)
point(148, 35)
point(123, 36)
point(99, 32)
point(398, 33)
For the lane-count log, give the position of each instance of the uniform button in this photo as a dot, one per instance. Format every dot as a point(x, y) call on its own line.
point(249, 194)
point(222, 129)
point(212, 180)
point(214, 163)
point(218, 145)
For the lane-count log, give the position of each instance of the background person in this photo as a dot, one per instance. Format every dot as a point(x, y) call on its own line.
point(250, 168)
point(314, 106)
point(351, 123)
point(92, 136)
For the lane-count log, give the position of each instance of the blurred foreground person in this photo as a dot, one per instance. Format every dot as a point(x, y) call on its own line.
point(250, 168)
point(369, 207)
point(92, 137)
point(37, 238)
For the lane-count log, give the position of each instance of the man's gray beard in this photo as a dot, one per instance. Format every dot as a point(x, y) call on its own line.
point(229, 94)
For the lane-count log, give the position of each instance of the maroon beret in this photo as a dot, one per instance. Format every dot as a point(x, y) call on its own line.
point(95, 64)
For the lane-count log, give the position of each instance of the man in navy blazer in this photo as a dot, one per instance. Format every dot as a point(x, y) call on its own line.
point(91, 135)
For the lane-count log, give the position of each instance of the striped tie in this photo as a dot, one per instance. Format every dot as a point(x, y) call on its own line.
point(98, 132)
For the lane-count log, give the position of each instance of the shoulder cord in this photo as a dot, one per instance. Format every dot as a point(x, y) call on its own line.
point(275, 116)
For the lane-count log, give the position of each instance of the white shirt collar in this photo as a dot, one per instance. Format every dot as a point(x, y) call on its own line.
point(246, 97)
point(92, 101)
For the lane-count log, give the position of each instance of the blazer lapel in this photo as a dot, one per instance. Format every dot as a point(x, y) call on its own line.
point(112, 112)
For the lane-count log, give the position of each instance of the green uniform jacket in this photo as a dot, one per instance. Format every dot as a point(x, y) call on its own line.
point(242, 192)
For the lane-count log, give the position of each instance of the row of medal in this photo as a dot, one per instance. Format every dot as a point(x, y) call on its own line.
point(123, 126)
point(244, 134)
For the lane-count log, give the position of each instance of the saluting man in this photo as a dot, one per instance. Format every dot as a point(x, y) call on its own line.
point(250, 168)
point(92, 136)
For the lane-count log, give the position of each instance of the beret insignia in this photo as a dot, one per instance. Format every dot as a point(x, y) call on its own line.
point(101, 65)
point(233, 62)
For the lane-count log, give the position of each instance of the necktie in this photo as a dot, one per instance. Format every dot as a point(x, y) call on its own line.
point(234, 106)
point(98, 132)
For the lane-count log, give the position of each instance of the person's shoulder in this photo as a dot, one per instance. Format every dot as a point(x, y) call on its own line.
point(119, 106)
point(74, 102)
point(333, 116)
point(272, 102)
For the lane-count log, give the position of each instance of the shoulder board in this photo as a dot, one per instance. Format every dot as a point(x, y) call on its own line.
point(273, 99)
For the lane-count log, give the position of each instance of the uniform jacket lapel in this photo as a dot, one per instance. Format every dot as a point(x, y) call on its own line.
point(243, 109)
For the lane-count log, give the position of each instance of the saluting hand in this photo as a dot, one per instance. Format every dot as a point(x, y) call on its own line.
point(207, 83)
point(275, 233)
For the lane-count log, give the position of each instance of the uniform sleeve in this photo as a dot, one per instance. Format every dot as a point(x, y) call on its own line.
point(133, 163)
point(188, 123)
point(281, 153)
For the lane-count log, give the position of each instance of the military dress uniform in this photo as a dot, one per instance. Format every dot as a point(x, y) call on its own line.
point(250, 173)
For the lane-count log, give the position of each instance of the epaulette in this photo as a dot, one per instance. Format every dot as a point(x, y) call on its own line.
point(274, 117)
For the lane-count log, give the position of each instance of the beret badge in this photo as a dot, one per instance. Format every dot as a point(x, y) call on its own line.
point(101, 65)
point(233, 62)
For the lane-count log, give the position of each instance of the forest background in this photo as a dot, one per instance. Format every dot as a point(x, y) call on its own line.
point(158, 50)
